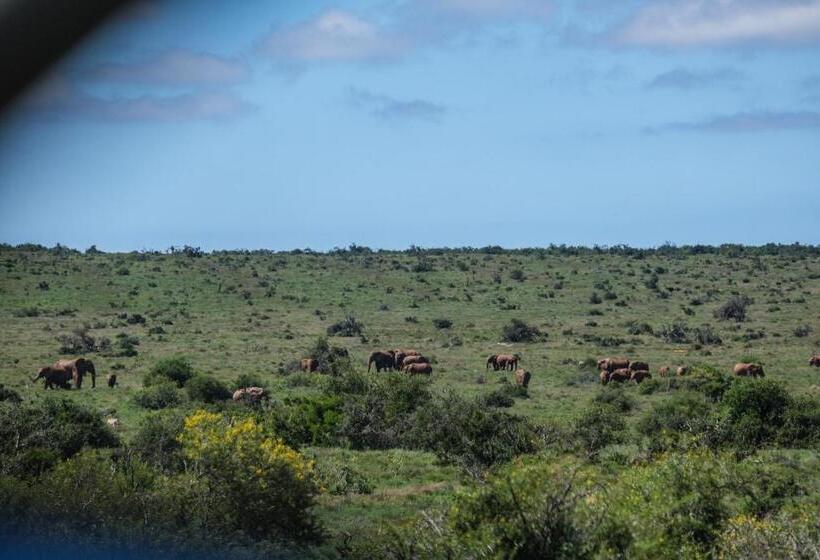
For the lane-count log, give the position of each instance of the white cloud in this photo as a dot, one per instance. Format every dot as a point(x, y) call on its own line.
point(334, 35)
point(392, 109)
point(174, 67)
point(688, 23)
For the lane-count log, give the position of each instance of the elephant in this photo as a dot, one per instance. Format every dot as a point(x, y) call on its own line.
point(383, 360)
point(522, 377)
point(620, 375)
point(414, 369)
point(414, 360)
point(611, 364)
point(54, 378)
point(400, 354)
point(682, 370)
point(814, 360)
point(638, 366)
point(506, 362)
point(250, 395)
point(492, 360)
point(78, 368)
point(639, 375)
point(308, 364)
point(604, 376)
point(112, 380)
point(663, 371)
point(748, 370)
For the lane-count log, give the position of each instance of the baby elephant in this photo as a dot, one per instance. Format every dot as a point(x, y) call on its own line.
point(112, 380)
point(522, 377)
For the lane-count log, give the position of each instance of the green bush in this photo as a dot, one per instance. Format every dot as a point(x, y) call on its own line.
point(497, 398)
point(176, 369)
point(206, 388)
point(333, 360)
point(9, 395)
point(676, 423)
point(340, 480)
point(616, 397)
point(465, 433)
point(244, 380)
point(349, 326)
point(598, 427)
point(156, 397)
point(54, 425)
point(518, 331)
point(313, 420)
point(156, 441)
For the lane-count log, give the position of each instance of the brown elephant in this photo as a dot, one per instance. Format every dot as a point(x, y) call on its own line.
point(663, 371)
point(414, 360)
point(506, 362)
point(308, 364)
point(383, 360)
point(682, 370)
point(611, 364)
point(492, 360)
point(78, 368)
point(522, 377)
point(638, 366)
point(415, 369)
point(604, 375)
point(250, 395)
point(112, 380)
point(621, 375)
point(54, 378)
point(814, 360)
point(748, 370)
point(639, 375)
point(399, 354)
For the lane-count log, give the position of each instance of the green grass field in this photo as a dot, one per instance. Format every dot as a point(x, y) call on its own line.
point(234, 313)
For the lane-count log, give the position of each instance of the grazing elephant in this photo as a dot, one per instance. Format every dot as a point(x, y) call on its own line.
point(506, 362)
point(814, 360)
point(748, 370)
point(663, 371)
point(611, 364)
point(604, 375)
point(308, 364)
point(682, 370)
point(250, 395)
point(414, 369)
point(78, 368)
point(620, 375)
point(54, 378)
point(492, 361)
point(383, 360)
point(112, 380)
point(522, 377)
point(639, 375)
point(414, 360)
point(399, 354)
point(638, 366)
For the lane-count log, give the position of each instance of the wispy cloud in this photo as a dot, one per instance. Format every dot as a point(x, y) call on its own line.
point(174, 67)
point(683, 78)
point(58, 99)
point(333, 36)
point(692, 23)
point(753, 121)
point(392, 109)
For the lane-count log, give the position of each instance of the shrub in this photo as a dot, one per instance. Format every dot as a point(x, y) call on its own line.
point(340, 480)
point(157, 441)
point(598, 427)
point(616, 397)
point(162, 395)
point(333, 360)
point(9, 395)
point(207, 389)
point(677, 423)
point(706, 336)
point(256, 483)
point(802, 331)
point(56, 425)
point(347, 327)
point(313, 420)
point(734, 309)
point(176, 369)
point(244, 380)
point(595, 299)
point(78, 342)
point(442, 323)
point(676, 333)
point(518, 275)
point(518, 331)
point(126, 345)
point(465, 433)
point(497, 398)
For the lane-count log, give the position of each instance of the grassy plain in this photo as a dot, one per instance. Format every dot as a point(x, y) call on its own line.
point(234, 313)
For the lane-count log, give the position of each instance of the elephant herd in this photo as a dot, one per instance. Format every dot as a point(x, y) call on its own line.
point(63, 373)
point(406, 360)
point(622, 369)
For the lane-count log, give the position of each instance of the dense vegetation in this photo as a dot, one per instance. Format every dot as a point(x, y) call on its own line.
point(464, 463)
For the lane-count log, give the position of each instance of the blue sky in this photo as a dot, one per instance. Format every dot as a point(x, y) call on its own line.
point(429, 122)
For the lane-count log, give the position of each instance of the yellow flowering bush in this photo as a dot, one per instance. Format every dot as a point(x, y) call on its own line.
point(265, 487)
